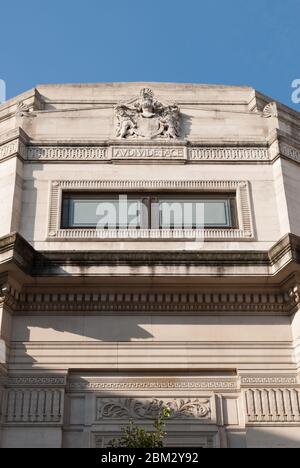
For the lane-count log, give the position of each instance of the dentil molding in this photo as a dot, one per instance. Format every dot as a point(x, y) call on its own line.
point(156, 303)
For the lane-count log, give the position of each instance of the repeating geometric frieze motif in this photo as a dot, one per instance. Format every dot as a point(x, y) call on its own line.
point(290, 152)
point(43, 153)
point(9, 149)
point(167, 302)
point(249, 381)
point(146, 385)
point(273, 405)
point(124, 408)
point(107, 153)
point(104, 154)
point(32, 381)
point(67, 153)
point(38, 405)
point(157, 234)
point(229, 154)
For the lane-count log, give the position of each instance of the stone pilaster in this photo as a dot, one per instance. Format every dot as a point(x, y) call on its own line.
point(296, 326)
point(5, 331)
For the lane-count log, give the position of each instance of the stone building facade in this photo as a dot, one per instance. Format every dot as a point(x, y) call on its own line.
point(191, 301)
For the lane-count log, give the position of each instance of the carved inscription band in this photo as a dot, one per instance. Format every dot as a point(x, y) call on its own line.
point(127, 153)
point(136, 152)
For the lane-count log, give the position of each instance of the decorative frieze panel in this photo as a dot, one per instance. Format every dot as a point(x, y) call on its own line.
point(15, 147)
point(126, 408)
point(229, 154)
point(290, 152)
point(34, 406)
point(110, 152)
point(152, 234)
point(136, 303)
point(95, 384)
point(241, 188)
point(67, 153)
point(276, 405)
point(268, 381)
point(36, 381)
point(147, 153)
point(9, 149)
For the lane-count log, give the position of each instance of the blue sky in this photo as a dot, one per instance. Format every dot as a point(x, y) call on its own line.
point(238, 42)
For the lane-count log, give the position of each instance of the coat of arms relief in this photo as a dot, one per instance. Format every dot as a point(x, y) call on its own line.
point(146, 117)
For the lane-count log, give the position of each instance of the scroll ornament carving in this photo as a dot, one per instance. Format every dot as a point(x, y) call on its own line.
point(148, 118)
point(150, 409)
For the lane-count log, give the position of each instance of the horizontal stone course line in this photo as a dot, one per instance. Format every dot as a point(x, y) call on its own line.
point(154, 234)
point(147, 153)
point(269, 380)
point(290, 152)
point(159, 345)
point(63, 153)
point(29, 381)
point(150, 385)
point(87, 153)
point(156, 302)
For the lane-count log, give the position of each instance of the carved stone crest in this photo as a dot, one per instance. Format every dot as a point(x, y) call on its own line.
point(146, 117)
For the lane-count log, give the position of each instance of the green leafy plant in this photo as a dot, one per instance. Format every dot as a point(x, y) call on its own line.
point(137, 437)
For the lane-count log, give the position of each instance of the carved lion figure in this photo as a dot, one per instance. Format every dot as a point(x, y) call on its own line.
point(126, 123)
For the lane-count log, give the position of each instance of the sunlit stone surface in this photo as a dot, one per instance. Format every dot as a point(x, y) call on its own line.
point(98, 326)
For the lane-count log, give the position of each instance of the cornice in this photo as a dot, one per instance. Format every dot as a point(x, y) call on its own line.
point(288, 245)
point(16, 251)
point(156, 303)
point(16, 254)
point(17, 143)
point(98, 300)
point(33, 262)
point(31, 100)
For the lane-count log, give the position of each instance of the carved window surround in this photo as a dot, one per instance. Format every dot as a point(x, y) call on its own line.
point(241, 189)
